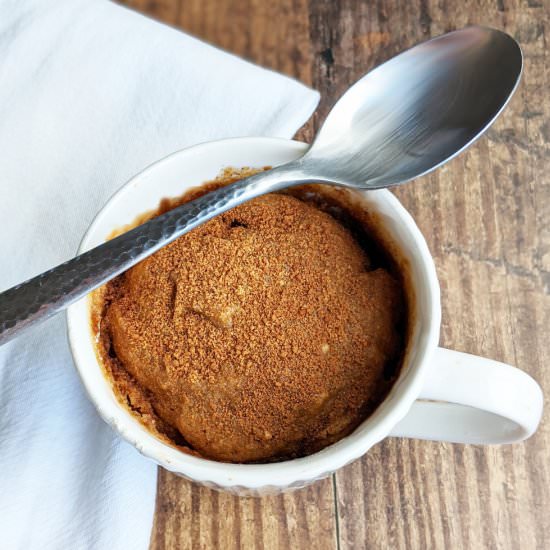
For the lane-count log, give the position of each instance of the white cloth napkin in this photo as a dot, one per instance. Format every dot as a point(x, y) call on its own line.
point(90, 93)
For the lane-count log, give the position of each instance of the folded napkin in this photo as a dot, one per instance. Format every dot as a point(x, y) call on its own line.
point(90, 94)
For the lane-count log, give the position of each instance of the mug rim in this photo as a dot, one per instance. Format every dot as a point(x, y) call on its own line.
point(278, 474)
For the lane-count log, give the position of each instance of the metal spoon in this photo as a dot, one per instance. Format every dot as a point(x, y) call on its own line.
point(403, 119)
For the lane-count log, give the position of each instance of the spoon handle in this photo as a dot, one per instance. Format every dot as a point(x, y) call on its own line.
point(39, 298)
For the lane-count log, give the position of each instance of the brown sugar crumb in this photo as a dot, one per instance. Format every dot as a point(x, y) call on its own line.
point(267, 333)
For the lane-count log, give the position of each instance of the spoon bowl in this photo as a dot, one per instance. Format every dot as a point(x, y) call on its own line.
point(416, 111)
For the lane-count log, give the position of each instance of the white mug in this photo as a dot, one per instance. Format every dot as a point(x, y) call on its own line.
point(440, 394)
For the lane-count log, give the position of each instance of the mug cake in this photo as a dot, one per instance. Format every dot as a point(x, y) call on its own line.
point(268, 333)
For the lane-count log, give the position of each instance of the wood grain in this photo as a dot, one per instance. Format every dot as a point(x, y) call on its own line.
point(485, 216)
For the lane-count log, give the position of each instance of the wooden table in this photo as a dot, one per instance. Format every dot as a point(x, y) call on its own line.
point(485, 216)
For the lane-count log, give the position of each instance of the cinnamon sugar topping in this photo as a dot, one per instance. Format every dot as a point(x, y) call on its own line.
point(267, 333)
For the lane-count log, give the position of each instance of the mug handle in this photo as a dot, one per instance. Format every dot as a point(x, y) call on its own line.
point(469, 399)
